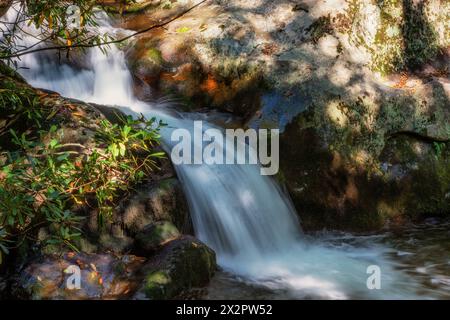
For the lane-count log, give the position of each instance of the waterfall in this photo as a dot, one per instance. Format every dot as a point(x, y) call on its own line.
point(242, 215)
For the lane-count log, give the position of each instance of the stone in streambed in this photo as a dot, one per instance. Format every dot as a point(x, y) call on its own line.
point(183, 264)
point(103, 276)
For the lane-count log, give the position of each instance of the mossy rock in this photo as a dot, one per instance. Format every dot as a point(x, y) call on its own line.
point(182, 265)
point(162, 200)
point(113, 6)
point(358, 164)
point(155, 235)
point(399, 34)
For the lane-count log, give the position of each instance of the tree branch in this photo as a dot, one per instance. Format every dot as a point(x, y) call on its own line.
point(81, 45)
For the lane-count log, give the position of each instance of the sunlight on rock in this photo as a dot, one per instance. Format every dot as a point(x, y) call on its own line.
point(328, 46)
point(336, 114)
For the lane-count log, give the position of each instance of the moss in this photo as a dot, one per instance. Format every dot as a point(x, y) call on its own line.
point(186, 263)
point(430, 194)
point(387, 55)
point(420, 38)
point(131, 8)
point(155, 55)
point(156, 235)
point(407, 34)
point(156, 285)
point(358, 163)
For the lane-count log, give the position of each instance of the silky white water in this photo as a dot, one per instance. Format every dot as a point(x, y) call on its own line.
point(241, 214)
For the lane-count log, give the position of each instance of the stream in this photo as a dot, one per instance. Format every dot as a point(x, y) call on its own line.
point(247, 219)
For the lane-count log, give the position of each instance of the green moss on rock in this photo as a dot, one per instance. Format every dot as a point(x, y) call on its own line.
point(399, 34)
point(156, 235)
point(182, 265)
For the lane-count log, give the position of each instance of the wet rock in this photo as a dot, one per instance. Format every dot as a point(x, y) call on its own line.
point(160, 201)
point(103, 276)
point(183, 264)
point(156, 235)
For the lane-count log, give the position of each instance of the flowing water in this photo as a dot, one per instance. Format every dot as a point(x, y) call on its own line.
point(243, 216)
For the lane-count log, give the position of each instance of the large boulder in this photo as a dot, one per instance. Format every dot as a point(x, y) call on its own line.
point(358, 164)
point(337, 77)
point(195, 59)
point(182, 265)
point(161, 200)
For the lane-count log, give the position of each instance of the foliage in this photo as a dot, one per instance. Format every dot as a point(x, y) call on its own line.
point(18, 103)
point(52, 20)
point(43, 182)
point(438, 148)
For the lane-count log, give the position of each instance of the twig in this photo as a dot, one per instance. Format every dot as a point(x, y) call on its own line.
point(81, 45)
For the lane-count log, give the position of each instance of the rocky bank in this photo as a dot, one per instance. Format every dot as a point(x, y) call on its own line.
point(144, 250)
point(360, 90)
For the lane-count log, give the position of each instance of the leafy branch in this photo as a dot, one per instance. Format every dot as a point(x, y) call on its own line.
point(91, 44)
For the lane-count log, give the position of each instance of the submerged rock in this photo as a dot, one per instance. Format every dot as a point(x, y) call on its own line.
point(103, 276)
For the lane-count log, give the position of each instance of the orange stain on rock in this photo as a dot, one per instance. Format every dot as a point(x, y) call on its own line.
point(210, 85)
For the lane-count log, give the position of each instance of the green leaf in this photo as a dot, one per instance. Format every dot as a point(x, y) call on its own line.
point(158, 154)
point(53, 143)
point(122, 148)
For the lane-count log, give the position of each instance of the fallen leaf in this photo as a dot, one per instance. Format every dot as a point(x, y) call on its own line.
point(402, 82)
point(183, 29)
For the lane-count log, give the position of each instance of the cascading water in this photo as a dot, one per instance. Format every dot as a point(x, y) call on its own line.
point(242, 215)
